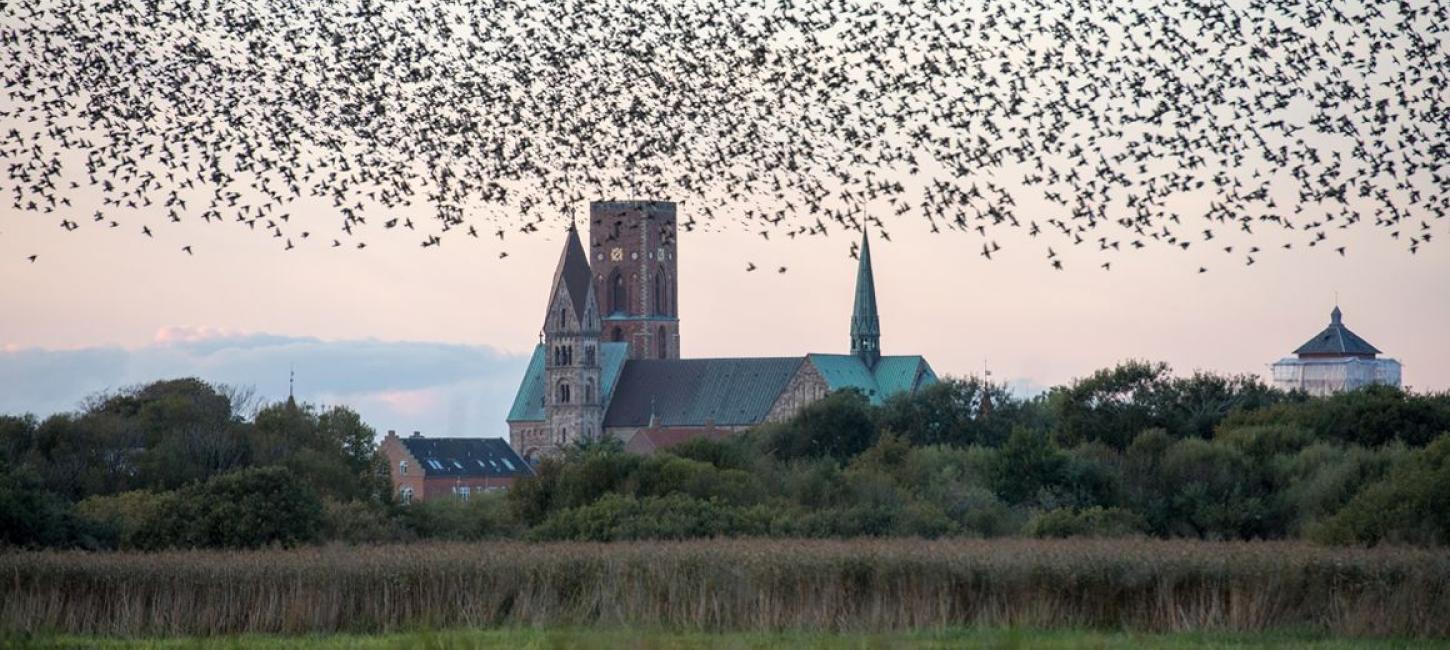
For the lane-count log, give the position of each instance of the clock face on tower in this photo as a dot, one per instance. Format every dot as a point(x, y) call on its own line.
point(616, 254)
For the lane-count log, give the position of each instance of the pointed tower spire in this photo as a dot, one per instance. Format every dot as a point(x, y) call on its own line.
point(572, 275)
point(865, 325)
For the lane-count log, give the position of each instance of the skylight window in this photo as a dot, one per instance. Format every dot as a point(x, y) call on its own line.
point(508, 464)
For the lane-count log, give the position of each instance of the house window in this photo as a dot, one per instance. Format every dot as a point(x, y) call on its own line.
point(403, 467)
point(588, 355)
point(462, 492)
point(618, 335)
point(618, 294)
point(662, 343)
point(589, 391)
point(659, 302)
point(563, 393)
point(405, 495)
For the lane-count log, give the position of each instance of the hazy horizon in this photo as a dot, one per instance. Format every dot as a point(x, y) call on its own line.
point(436, 340)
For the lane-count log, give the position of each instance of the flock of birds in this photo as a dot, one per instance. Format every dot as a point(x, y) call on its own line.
point(1112, 126)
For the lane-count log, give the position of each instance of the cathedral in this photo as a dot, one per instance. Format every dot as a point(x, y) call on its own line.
point(609, 358)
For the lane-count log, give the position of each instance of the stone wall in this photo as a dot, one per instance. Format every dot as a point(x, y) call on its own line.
point(805, 387)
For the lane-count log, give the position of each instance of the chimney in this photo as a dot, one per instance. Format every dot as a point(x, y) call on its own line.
point(392, 433)
point(417, 434)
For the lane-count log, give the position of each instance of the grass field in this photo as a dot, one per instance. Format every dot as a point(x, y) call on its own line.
point(586, 639)
point(858, 586)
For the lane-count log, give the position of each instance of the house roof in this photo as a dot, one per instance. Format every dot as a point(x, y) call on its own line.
point(1336, 340)
point(645, 441)
point(890, 375)
point(695, 392)
point(529, 401)
point(466, 457)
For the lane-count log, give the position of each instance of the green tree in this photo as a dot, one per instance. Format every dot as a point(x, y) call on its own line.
point(838, 426)
point(953, 411)
point(1411, 504)
point(1111, 406)
point(248, 508)
point(1026, 464)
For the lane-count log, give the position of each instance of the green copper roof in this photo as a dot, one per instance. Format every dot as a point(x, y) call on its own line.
point(529, 402)
point(891, 375)
point(865, 324)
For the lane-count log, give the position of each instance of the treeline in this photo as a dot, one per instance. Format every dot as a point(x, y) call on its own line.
point(1132, 450)
point(183, 463)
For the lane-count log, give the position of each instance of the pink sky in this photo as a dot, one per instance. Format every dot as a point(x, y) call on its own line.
point(100, 286)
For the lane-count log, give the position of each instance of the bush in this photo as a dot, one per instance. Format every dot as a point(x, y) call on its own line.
point(838, 426)
point(133, 516)
point(1410, 505)
point(363, 522)
point(1371, 416)
point(1089, 522)
point(31, 516)
point(1322, 478)
point(247, 508)
point(666, 474)
point(620, 517)
point(485, 515)
point(1025, 465)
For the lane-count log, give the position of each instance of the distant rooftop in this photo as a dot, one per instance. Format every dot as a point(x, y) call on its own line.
point(466, 456)
point(1336, 340)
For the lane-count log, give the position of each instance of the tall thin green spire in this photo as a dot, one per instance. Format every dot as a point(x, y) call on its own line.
point(865, 325)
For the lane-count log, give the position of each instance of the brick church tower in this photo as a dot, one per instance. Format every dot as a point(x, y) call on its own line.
point(635, 262)
point(572, 387)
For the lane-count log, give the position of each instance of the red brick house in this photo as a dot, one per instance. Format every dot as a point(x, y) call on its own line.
point(423, 469)
point(647, 441)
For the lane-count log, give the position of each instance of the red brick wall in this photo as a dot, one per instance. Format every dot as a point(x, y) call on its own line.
point(441, 487)
point(426, 487)
point(393, 448)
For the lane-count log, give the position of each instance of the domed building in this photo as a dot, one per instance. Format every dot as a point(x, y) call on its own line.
point(1334, 361)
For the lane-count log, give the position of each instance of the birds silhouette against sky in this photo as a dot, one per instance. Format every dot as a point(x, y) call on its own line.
point(1105, 126)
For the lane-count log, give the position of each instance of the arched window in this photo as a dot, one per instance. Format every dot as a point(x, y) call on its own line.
point(659, 302)
point(563, 393)
point(618, 294)
point(588, 355)
point(589, 391)
point(662, 343)
point(618, 335)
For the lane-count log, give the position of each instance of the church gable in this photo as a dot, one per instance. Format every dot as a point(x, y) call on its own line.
point(805, 387)
point(891, 375)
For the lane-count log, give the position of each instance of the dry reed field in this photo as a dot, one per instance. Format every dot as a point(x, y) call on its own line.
point(749, 585)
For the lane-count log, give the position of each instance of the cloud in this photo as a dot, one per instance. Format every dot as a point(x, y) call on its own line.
point(437, 388)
